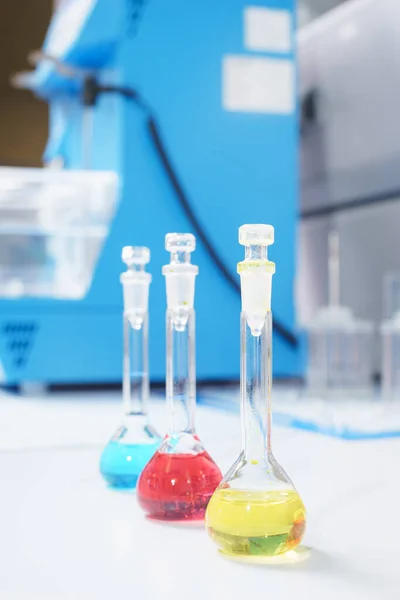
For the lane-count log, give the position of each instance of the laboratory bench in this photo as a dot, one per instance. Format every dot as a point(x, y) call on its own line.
point(65, 536)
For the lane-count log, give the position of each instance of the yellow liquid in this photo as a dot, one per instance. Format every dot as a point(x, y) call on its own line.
point(256, 523)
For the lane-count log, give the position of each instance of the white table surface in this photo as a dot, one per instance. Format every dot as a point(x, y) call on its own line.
point(65, 536)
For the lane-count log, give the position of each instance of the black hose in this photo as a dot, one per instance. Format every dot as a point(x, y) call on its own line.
point(159, 146)
point(154, 132)
point(161, 151)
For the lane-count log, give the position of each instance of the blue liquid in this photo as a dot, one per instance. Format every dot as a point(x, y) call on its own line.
point(121, 464)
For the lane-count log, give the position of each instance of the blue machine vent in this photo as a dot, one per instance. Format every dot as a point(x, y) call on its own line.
point(19, 339)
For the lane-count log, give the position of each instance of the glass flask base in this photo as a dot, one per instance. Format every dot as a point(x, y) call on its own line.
point(256, 523)
point(291, 557)
point(177, 487)
point(122, 463)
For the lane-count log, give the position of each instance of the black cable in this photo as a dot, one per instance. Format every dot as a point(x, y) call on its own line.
point(325, 211)
point(175, 183)
point(154, 132)
point(161, 151)
point(309, 116)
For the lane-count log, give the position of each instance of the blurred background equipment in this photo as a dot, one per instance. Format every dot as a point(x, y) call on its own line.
point(340, 347)
point(390, 332)
point(52, 228)
point(194, 109)
point(350, 182)
point(53, 225)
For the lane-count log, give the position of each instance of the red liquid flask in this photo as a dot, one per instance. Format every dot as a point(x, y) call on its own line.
point(178, 486)
point(179, 480)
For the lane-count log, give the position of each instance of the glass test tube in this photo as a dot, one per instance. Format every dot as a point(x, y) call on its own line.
point(133, 443)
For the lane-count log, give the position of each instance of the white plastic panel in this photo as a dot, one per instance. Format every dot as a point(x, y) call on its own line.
point(351, 56)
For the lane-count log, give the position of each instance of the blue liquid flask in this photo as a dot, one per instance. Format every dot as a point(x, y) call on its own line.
point(135, 442)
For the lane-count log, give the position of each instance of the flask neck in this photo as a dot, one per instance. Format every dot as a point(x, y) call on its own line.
point(181, 373)
point(135, 385)
point(255, 389)
point(256, 252)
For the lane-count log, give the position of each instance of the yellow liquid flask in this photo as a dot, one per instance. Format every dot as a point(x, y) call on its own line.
point(256, 513)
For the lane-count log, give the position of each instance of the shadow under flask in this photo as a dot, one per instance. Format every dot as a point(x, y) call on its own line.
point(180, 479)
point(256, 511)
point(133, 444)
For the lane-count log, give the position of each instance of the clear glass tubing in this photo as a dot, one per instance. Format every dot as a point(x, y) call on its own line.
point(179, 480)
point(340, 347)
point(256, 514)
point(390, 337)
point(135, 442)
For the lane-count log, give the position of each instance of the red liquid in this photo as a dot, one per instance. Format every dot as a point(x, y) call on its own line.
point(178, 486)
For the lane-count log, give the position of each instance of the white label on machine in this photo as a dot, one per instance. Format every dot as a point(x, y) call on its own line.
point(258, 84)
point(267, 29)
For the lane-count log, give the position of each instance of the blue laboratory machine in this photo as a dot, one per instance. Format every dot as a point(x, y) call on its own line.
point(165, 116)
